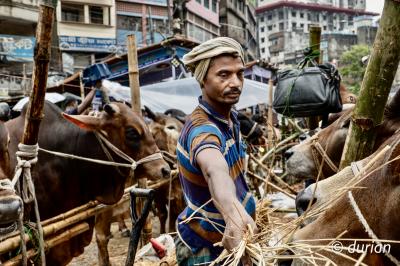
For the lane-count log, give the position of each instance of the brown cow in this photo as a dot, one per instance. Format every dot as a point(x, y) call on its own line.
point(371, 210)
point(10, 203)
point(303, 164)
point(63, 184)
point(165, 130)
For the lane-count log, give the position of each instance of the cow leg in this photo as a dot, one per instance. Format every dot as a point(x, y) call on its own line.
point(162, 211)
point(103, 234)
point(122, 226)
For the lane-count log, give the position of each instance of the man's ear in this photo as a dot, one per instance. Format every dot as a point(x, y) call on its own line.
point(86, 122)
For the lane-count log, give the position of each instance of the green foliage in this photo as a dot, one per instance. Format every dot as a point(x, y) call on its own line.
point(351, 67)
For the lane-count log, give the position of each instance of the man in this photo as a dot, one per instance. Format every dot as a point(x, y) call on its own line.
point(211, 158)
point(5, 112)
point(72, 107)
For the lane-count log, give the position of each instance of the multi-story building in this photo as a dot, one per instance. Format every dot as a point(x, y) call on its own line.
point(18, 20)
point(147, 19)
point(284, 26)
point(86, 30)
point(238, 21)
point(201, 19)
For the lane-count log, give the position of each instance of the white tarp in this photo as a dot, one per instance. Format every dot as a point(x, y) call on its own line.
point(183, 93)
point(53, 97)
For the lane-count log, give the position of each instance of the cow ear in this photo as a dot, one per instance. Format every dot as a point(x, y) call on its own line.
point(86, 122)
point(150, 113)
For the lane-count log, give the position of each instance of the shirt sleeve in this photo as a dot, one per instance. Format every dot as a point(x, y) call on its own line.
point(203, 137)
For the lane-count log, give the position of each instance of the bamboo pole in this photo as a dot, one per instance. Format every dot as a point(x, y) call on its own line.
point(81, 86)
point(58, 223)
point(270, 114)
point(34, 113)
point(65, 236)
point(375, 88)
point(133, 74)
point(315, 40)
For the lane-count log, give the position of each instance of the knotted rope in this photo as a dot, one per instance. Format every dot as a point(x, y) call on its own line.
point(26, 157)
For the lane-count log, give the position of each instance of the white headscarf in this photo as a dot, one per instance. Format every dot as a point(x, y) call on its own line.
point(198, 60)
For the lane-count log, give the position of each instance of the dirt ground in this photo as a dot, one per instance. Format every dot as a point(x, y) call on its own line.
point(117, 247)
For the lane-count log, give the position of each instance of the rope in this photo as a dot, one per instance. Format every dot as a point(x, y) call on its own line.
point(26, 157)
point(367, 228)
point(316, 149)
point(251, 131)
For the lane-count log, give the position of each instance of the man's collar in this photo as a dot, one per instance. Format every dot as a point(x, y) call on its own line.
point(210, 111)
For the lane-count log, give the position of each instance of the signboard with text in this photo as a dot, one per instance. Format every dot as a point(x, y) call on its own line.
point(87, 44)
point(16, 48)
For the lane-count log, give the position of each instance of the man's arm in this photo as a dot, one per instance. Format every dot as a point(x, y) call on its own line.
point(86, 102)
point(223, 191)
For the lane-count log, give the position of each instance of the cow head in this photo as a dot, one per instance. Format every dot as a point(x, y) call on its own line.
point(376, 196)
point(128, 132)
point(165, 130)
point(251, 131)
point(10, 203)
point(302, 163)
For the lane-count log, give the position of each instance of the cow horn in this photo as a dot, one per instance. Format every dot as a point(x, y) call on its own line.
point(150, 113)
point(392, 109)
point(111, 109)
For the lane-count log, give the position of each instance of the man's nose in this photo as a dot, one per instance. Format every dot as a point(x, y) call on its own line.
point(236, 82)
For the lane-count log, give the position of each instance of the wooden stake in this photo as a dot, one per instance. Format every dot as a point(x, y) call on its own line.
point(315, 40)
point(81, 85)
point(270, 114)
point(133, 74)
point(375, 88)
point(39, 77)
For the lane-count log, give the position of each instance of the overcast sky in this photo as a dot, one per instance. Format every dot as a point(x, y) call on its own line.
point(375, 5)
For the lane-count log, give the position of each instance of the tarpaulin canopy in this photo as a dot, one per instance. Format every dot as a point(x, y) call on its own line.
point(183, 93)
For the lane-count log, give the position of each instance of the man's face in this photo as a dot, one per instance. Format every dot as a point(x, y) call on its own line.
point(224, 80)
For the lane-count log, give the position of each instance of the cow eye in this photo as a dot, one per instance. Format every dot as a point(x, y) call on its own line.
point(132, 134)
point(171, 127)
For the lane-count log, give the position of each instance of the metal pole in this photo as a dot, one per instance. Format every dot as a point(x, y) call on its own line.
point(315, 40)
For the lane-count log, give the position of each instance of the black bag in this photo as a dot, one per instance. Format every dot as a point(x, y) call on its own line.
point(310, 91)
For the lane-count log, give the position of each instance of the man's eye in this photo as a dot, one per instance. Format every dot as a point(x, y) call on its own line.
point(223, 75)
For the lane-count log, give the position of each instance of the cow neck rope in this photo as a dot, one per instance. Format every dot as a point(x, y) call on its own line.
point(133, 164)
point(26, 156)
point(316, 149)
point(367, 228)
point(250, 132)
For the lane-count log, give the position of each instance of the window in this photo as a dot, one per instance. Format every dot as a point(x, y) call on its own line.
point(207, 3)
point(262, 39)
point(324, 17)
point(96, 14)
point(294, 25)
point(293, 13)
point(309, 16)
point(262, 50)
point(270, 27)
point(129, 23)
point(72, 12)
point(280, 15)
point(269, 17)
point(262, 19)
point(302, 25)
point(301, 15)
point(281, 26)
point(262, 29)
point(324, 27)
point(214, 6)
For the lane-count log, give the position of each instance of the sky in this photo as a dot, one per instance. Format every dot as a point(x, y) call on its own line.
point(375, 5)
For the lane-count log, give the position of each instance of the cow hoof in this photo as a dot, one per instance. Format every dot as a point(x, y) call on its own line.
point(125, 233)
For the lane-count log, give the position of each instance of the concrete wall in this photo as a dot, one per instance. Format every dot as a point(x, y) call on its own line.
point(87, 29)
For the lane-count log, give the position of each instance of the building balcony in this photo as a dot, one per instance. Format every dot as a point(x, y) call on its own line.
point(21, 10)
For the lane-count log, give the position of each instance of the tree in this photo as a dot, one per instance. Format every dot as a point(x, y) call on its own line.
point(351, 67)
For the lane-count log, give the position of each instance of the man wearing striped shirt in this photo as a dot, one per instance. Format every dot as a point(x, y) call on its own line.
point(211, 158)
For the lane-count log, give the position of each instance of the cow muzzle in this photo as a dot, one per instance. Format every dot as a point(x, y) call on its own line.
point(10, 211)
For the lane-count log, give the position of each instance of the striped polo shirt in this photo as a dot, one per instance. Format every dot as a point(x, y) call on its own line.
point(207, 129)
